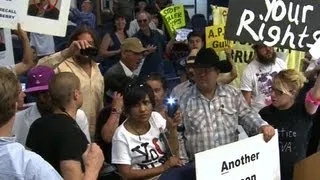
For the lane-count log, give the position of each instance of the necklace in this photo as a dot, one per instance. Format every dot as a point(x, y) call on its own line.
point(138, 132)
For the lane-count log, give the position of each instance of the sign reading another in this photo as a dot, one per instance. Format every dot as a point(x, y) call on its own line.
point(248, 159)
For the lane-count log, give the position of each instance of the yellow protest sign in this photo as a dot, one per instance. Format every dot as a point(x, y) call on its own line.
point(219, 14)
point(215, 38)
point(173, 18)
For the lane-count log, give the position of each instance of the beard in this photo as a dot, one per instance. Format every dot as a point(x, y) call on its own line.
point(265, 59)
point(83, 59)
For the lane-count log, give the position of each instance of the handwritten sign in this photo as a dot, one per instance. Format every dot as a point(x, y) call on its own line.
point(254, 159)
point(215, 38)
point(174, 18)
point(182, 34)
point(6, 51)
point(291, 24)
point(45, 17)
point(220, 15)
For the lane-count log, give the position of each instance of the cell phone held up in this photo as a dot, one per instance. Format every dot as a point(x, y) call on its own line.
point(172, 106)
point(91, 51)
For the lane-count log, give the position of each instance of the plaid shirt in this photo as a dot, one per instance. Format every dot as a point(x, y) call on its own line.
point(212, 123)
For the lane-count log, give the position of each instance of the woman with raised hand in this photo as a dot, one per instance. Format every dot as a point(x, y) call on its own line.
point(292, 118)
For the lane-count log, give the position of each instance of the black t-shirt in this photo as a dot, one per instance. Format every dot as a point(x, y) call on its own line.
point(101, 120)
point(293, 127)
point(57, 137)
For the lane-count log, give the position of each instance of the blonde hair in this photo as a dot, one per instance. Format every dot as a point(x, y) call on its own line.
point(289, 80)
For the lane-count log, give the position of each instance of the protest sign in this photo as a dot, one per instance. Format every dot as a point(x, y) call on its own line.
point(242, 53)
point(220, 15)
point(40, 16)
point(290, 24)
point(182, 34)
point(215, 38)
point(173, 18)
point(6, 52)
point(248, 159)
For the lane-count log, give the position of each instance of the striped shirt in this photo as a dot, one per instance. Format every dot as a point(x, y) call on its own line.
point(212, 123)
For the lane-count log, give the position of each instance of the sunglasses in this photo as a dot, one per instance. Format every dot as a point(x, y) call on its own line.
point(142, 20)
point(279, 92)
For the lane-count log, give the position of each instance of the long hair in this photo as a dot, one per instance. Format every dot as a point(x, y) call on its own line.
point(85, 29)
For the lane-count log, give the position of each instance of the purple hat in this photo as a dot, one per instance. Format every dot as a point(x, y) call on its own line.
point(39, 78)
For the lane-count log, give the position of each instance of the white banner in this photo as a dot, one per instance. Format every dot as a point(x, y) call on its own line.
point(6, 52)
point(249, 159)
point(40, 16)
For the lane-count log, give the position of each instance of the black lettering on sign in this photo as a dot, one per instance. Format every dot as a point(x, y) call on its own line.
point(244, 159)
point(220, 44)
point(242, 56)
point(253, 177)
point(211, 34)
point(286, 24)
point(220, 31)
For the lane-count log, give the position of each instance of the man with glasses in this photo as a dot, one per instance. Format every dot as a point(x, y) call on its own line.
point(212, 111)
point(154, 43)
point(131, 57)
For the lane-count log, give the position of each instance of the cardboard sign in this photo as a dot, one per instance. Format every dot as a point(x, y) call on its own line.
point(220, 15)
point(174, 18)
point(248, 159)
point(215, 38)
point(6, 52)
point(50, 17)
point(291, 24)
point(308, 169)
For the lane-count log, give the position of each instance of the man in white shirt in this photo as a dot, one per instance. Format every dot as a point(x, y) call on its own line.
point(38, 81)
point(257, 78)
point(131, 57)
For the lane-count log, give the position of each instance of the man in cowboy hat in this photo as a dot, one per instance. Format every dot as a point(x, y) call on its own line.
point(212, 112)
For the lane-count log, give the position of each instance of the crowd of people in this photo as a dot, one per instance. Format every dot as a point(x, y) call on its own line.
point(101, 110)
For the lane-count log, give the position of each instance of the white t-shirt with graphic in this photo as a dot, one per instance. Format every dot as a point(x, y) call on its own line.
point(144, 152)
point(257, 78)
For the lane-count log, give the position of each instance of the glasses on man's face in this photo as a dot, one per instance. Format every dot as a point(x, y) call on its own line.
point(142, 20)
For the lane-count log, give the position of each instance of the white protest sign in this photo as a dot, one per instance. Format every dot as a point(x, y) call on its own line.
point(315, 50)
point(6, 52)
point(40, 16)
point(182, 34)
point(249, 159)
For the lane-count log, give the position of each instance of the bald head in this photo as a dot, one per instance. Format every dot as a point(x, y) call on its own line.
point(62, 88)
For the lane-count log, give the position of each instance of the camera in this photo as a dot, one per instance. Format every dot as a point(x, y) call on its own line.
point(91, 51)
point(172, 105)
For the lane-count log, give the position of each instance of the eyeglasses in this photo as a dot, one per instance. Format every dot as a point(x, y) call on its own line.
point(279, 92)
point(142, 20)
